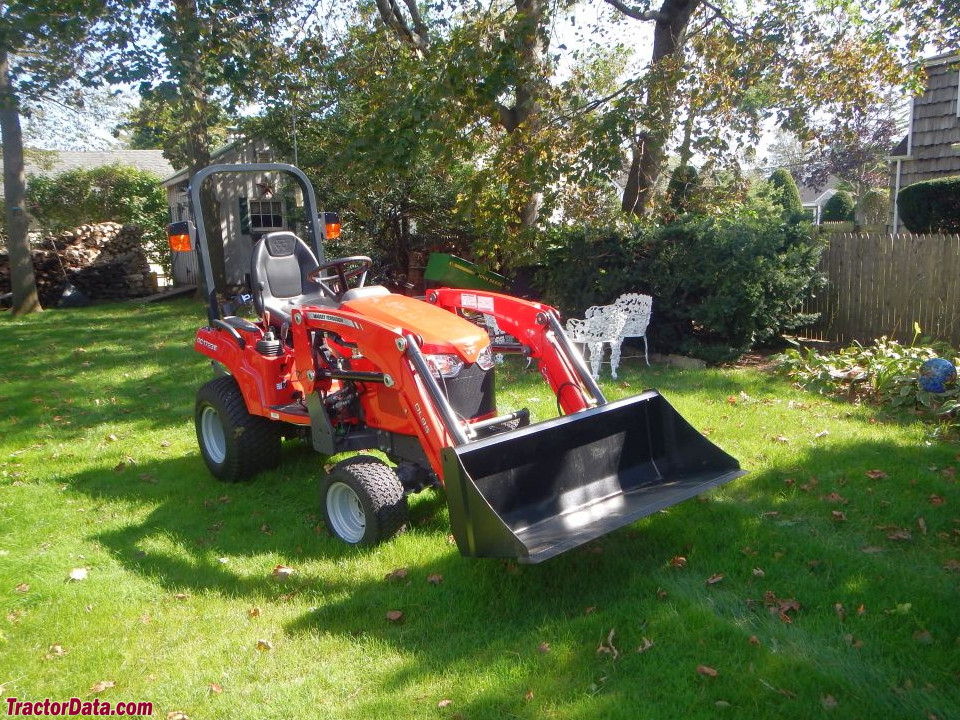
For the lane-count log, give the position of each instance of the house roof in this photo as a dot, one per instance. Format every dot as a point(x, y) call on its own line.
point(55, 162)
point(818, 194)
point(900, 149)
point(58, 161)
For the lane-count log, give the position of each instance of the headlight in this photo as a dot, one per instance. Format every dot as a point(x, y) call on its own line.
point(485, 359)
point(447, 366)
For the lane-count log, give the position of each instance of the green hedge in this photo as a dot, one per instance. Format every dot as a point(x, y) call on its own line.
point(839, 208)
point(112, 193)
point(931, 206)
point(720, 285)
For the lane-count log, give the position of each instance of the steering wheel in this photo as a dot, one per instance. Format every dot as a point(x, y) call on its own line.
point(345, 269)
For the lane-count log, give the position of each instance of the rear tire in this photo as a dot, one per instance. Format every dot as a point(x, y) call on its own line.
point(234, 444)
point(363, 501)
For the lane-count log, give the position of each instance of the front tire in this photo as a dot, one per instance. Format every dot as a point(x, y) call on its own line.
point(363, 501)
point(234, 444)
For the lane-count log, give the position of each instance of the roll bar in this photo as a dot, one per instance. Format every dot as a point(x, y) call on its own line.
point(196, 209)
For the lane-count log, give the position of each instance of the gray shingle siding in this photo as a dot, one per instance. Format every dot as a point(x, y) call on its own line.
point(935, 127)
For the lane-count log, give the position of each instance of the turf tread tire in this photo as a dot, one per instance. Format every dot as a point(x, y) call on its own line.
point(252, 443)
point(380, 493)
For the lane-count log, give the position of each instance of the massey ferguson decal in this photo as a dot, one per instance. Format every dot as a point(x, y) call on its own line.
point(324, 317)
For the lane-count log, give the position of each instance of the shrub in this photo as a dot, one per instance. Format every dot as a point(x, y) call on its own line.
point(788, 195)
point(724, 285)
point(110, 193)
point(839, 208)
point(931, 206)
point(719, 285)
point(587, 266)
point(873, 207)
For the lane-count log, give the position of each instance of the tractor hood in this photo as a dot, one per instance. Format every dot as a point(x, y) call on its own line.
point(440, 329)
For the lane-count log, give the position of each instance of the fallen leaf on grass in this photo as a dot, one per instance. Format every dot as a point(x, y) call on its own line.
point(937, 500)
point(282, 572)
point(444, 703)
point(871, 550)
point(543, 647)
point(177, 715)
point(875, 474)
point(181, 596)
point(102, 685)
point(754, 640)
point(952, 565)
point(838, 516)
point(253, 612)
point(714, 579)
point(841, 611)
point(645, 645)
point(215, 688)
point(264, 645)
point(77, 574)
point(528, 696)
point(758, 573)
point(56, 651)
point(608, 647)
point(265, 529)
point(707, 671)
point(435, 578)
point(852, 641)
point(922, 524)
point(899, 534)
point(678, 561)
point(829, 702)
point(835, 497)
point(590, 610)
point(23, 587)
point(395, 616)
point(396, 575)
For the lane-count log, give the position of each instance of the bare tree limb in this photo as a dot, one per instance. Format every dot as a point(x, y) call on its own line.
point(636, 13)
point(393, 17)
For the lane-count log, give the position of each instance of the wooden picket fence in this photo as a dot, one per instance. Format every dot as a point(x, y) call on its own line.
point(879, 284)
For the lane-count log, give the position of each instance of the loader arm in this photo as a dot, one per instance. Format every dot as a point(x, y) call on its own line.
point(542, 338)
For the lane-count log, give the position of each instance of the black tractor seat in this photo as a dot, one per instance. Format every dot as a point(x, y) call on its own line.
point(280, 270)
point(279, 273)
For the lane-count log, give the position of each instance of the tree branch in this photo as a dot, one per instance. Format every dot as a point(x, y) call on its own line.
point(637, 13)
point(392, 16)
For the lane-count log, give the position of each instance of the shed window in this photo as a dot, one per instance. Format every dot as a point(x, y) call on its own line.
point(266, 215)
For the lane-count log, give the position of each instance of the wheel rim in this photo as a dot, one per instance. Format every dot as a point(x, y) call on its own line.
point(214, 439)
point(346, 514)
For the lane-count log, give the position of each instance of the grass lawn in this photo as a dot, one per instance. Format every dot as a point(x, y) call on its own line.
point(826, 583)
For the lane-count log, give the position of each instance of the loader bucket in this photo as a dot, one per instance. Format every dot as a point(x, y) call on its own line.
point(538, 491)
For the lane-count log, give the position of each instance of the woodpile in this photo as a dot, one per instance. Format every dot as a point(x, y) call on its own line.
point(104, 261)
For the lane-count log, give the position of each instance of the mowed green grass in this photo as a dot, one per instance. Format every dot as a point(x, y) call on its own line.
point(826, 583)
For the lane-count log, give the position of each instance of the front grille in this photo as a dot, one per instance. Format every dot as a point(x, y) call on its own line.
point(471, 393)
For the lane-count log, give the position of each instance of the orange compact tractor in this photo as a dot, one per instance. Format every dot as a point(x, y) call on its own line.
point(350, 366)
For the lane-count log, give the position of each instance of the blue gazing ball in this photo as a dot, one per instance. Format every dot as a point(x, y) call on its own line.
point(936, 374)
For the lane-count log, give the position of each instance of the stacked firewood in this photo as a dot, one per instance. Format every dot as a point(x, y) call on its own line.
point(104, 261)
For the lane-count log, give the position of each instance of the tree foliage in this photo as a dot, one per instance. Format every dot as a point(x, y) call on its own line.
point(43, 44)
point(787, 195)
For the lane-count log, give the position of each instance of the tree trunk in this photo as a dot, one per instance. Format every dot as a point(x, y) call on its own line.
point(185, 58)
point(647, 150)
point(22, 280)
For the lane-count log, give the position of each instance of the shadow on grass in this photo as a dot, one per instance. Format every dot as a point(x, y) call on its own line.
point(478, 633)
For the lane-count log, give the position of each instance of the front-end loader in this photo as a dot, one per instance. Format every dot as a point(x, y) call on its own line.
point(350, 366)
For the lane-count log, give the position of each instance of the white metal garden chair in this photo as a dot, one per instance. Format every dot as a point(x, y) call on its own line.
point(637, 309)
point(601, 324)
